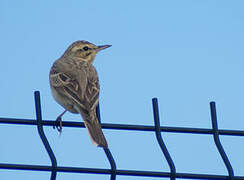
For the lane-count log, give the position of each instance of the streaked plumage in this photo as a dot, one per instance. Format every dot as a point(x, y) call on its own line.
point(75, 86)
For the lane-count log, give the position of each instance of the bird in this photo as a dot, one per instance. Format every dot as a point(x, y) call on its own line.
point(75, 86)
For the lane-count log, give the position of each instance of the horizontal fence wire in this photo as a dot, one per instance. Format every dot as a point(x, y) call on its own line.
point(113, 172)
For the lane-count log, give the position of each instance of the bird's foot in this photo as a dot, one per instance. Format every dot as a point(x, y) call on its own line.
point(58, 124)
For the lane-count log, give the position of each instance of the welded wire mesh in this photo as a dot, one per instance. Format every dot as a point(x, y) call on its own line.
point(113, 171)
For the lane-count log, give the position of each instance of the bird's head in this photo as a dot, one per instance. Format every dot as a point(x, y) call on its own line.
point(84, 50)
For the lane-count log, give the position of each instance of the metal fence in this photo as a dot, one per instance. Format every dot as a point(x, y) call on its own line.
point(113, 172)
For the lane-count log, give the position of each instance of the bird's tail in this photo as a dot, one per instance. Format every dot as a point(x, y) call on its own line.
point(94, 129)
point(95, 133)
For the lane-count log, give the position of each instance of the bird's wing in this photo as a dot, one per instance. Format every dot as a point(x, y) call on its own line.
point(91, 94)
point(81, 85)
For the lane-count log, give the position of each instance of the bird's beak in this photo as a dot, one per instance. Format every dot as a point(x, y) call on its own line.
point(99, 48)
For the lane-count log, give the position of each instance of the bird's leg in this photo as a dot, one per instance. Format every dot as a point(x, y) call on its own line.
point(58, 122)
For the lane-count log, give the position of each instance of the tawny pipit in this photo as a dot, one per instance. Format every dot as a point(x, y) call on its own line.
point(75, 86)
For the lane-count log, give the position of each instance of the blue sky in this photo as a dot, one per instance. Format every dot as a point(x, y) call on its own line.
point(186, 53)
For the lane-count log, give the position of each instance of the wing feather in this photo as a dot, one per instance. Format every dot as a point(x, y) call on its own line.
point(81, 87)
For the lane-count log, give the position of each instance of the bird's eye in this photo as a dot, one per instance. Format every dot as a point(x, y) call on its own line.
point(85, 48)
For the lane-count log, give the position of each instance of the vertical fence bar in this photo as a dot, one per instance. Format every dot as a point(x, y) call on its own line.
point(112, 163)
point(98, 113)
point(107, 151)
point(160, 139)
point(42, 135)
point(217, 140)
